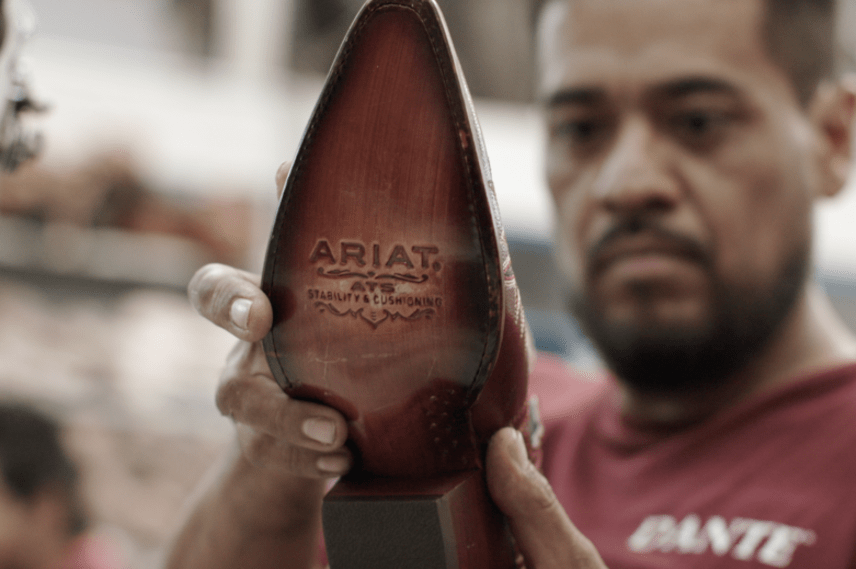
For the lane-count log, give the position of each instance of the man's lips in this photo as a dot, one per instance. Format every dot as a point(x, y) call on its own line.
point(644, 252)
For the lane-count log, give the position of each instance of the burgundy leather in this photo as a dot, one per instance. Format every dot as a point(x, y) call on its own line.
point(394, 298)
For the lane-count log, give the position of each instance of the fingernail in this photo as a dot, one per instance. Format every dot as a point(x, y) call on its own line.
point(518, 450)
point(320, 430)
point(334, 464)
point(240, 312)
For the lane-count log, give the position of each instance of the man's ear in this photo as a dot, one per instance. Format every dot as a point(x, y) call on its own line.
point(832, 112)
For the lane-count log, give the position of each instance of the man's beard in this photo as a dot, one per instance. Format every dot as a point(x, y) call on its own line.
point(682, 359)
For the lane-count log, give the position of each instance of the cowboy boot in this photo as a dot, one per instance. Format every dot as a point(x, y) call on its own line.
point(394, 299)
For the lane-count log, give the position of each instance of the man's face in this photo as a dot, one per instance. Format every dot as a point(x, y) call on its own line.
point(683, 170)
point(33, 532)
point(15, 524)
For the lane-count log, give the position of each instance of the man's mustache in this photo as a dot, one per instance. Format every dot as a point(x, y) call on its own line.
point(631, 227)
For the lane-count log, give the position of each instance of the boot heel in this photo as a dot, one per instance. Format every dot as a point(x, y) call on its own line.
point(443, 523)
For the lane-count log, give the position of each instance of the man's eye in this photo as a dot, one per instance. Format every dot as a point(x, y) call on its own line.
point(700, 126)
point(579, 132)
point(698, 123)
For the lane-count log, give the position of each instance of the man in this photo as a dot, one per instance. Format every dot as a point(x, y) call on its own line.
point(42, 519)
point(688, 140)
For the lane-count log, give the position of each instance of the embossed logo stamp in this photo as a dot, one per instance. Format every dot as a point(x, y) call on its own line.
point(374, 283)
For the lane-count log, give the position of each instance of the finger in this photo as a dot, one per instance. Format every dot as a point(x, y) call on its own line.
point(265, 451)
point(257, 401)
point(281, 176)
point(542, 529)
point(231, 299)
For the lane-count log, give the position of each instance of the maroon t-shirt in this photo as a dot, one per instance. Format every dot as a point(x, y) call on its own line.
point(769, 483)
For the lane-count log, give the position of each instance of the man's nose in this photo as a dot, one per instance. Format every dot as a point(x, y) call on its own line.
point(637, 174)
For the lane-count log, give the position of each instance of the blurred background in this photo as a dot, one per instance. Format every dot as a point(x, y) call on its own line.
point(167, 122)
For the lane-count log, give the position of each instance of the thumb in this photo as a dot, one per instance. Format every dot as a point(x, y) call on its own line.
point(546, 537)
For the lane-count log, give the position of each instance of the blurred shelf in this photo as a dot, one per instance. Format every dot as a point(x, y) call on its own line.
point(113, 257)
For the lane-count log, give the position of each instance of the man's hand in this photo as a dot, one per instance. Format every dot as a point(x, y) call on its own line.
point(544, 534)
point(263, 509)
point(276, 432)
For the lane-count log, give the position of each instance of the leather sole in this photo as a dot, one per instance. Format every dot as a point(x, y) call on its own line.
point(383, 265)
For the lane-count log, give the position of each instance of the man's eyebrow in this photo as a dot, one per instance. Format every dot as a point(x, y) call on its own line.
point(692, 85)
point(575, 96)
point(673, 89)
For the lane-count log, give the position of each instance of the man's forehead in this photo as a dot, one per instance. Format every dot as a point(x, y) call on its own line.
point(638, 21)
point(589, 41)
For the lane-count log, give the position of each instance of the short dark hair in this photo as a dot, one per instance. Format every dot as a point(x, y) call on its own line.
point(32, 459)
point(800, 37)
